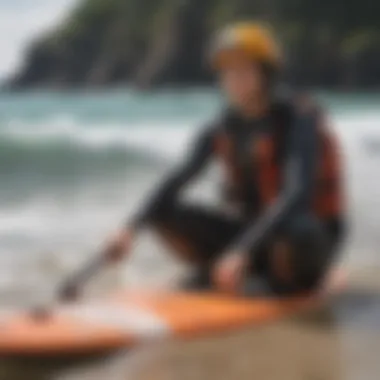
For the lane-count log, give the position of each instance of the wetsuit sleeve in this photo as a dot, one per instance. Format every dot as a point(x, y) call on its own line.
point(300, 172)
point(167, 192)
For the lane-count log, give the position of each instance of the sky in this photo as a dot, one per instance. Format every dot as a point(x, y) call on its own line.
point(23, 20)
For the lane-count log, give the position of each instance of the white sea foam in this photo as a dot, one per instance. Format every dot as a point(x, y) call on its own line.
point(163, 139)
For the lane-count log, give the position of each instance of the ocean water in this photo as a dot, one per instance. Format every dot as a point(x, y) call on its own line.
point(73, 166)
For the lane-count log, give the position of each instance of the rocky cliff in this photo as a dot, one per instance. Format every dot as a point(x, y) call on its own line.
point(162, 42)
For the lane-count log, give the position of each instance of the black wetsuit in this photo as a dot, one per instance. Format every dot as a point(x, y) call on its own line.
point(211, 233)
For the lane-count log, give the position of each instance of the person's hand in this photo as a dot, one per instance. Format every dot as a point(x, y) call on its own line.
point(119, 245)
point(229, 272)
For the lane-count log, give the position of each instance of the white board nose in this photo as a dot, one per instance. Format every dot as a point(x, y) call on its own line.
point(130, 320)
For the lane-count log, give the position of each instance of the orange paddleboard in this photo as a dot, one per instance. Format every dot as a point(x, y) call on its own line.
point(130, 319)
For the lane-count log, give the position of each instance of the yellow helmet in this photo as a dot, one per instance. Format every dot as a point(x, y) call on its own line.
point(253, 40)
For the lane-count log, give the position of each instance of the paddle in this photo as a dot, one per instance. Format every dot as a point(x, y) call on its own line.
point(70, 288)
point(113, 253)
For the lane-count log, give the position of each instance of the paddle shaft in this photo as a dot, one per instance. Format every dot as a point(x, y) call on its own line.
point(75, 282)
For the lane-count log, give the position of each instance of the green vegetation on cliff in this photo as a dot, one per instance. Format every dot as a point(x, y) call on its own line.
point(334, 43)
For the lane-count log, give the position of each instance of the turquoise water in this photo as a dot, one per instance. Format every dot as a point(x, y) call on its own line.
point(122, 105)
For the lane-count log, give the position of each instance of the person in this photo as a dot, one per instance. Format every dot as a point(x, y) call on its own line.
point(282, 180)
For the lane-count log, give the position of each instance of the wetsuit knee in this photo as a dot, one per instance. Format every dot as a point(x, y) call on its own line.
point(310, 250)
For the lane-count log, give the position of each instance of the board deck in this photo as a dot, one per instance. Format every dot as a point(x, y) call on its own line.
point(128, 319)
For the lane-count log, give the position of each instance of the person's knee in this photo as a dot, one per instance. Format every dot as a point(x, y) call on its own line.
point(311, 251)
point(301, 254)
